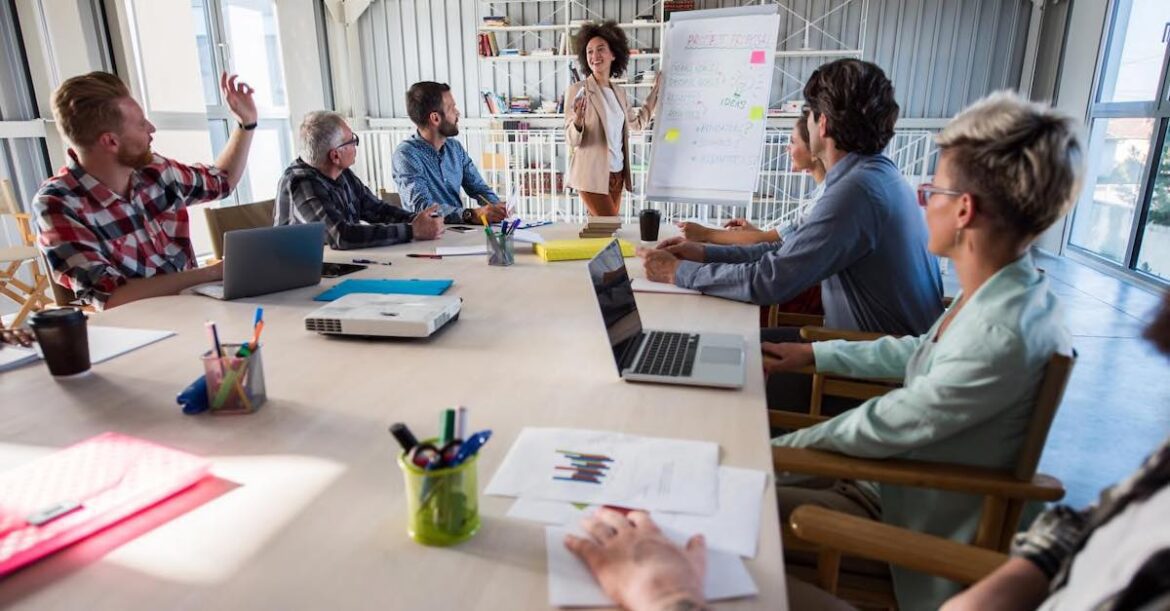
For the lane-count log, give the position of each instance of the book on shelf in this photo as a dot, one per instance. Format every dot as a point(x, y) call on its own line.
point(488, 47)
point(510, 52)
point(496, 21)
point(645, 18)
point(542, 53)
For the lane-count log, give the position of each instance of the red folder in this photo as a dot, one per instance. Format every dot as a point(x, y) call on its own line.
point(69, 495)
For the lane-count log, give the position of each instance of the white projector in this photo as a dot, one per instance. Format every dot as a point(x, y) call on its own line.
point(384, 315)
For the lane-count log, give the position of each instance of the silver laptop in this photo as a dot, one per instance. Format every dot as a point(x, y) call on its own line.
point(667, 357)
point(268, 259)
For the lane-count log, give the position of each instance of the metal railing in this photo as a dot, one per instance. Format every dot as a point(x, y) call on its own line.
point(527, 167)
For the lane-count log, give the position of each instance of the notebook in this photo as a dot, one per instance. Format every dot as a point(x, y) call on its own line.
point(574, 250)
point(71, 494)
point(385, 286)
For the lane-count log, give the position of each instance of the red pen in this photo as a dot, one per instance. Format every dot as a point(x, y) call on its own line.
point(416, 255)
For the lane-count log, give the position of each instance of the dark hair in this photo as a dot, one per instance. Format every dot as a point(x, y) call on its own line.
point(802, 125)
point(1159, 330)
point(423, 98)
point(859, 101)
point(613, 36)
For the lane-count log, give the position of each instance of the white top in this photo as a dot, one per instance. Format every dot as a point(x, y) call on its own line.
point(309, 511)
point(1114, 553)
point(615, 121)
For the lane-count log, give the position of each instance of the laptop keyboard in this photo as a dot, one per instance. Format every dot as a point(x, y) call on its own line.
point(668, 354)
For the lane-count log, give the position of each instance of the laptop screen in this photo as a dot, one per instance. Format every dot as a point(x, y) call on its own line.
point(615, 297)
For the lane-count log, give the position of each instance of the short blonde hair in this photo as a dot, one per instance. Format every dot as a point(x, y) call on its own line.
point(1022, 161)
point(86, 107)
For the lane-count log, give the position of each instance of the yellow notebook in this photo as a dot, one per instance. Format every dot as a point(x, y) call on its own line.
point(573, 250)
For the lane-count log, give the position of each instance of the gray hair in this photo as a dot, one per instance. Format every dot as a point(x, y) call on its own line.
point(1022, 161)
point(321, 132)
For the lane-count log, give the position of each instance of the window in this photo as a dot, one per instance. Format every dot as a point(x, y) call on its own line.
point(1123, 217)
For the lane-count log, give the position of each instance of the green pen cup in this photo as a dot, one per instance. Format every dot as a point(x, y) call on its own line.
point(235, 384)
point(442, 504)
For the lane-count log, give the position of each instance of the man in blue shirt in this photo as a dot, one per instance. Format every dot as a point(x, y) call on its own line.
point(430, 166)
point(865, 242)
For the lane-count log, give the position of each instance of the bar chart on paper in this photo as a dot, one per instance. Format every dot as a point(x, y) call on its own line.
point(582, 467)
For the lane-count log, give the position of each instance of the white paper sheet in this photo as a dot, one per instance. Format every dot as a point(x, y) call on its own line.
point(12, 357)
point(609, 468)
point(642, 285)
point(105, 343)
point(571, 585)
point(527, 237)
point(734, 528)
point(460, 251)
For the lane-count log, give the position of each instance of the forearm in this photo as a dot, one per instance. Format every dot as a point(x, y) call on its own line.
point(162, 284)
point(1017, 584)
point(742, 237)
point(234, 157)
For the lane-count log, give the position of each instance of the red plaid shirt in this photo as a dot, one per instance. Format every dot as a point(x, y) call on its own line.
point(95, 240)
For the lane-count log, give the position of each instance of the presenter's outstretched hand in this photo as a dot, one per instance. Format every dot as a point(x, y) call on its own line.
point(428, 225)
point(638, 567)
point(659, 265)
point(786, 356)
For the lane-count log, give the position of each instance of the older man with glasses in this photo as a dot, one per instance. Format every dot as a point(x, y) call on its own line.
point(320, 187)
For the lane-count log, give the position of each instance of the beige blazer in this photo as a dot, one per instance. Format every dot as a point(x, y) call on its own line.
point(588, 148)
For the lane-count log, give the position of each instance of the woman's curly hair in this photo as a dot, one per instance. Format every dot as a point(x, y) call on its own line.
point(613, 36)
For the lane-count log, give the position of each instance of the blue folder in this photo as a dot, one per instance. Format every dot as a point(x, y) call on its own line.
point(383, 286)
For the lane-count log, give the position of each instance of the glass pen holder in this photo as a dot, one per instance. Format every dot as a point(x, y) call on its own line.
point(442, 504)
point(235, 384)
point(501, 249)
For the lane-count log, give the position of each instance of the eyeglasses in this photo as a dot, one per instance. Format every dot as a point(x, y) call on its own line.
point(926, 190)
point(356, 141)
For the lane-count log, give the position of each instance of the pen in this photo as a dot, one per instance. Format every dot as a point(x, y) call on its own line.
point(470, 447)
point(371, 262)
point(416, 255)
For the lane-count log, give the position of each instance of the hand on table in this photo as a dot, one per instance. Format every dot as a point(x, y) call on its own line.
point(659, 265)
point(427, 225)
point(636, 565)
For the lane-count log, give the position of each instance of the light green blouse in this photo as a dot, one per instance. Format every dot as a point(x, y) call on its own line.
point(966, 399)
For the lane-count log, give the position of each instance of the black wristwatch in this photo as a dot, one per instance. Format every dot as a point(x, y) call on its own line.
point(249, 127)
point(468, 216)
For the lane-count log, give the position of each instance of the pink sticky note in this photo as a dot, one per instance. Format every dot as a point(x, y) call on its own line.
point(757, 57)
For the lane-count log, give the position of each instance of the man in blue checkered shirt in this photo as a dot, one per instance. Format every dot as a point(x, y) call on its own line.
point(430, 167)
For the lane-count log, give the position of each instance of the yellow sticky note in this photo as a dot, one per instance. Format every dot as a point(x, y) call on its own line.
point(756, 113)
point(672, 134)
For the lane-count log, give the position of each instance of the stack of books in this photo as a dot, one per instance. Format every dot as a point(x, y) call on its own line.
point(601, 227)
point(487, 44)
point(496, 21)
point(520, 104)
point(492, 101)
point(646, 76)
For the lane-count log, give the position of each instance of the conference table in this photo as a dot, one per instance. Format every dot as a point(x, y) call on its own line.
point(306, 505)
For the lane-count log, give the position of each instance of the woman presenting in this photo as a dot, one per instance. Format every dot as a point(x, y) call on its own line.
point(599, 118)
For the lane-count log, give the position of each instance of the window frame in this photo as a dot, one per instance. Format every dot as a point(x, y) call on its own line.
point(1159, 111)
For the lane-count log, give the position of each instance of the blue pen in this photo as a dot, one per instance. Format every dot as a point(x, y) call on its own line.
point(258, 317)
point(515, 226)
point(471, 446)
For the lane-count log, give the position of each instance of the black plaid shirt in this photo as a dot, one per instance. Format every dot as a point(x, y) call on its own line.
point(1059, 534)
point(305, 195)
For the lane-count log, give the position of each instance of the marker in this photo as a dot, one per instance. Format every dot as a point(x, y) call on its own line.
point(460, 422)
point(415, 255)
point(405, 438)
point(446, 427)
point(371, 262)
